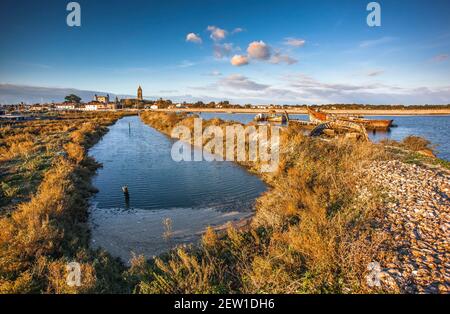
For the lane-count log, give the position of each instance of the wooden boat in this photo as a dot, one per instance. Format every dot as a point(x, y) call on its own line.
point(272, 117)
point(317, 116)
point(277, 118)
point(304, 123)
point(335, 127)
point(369, 124)
point(260, 117)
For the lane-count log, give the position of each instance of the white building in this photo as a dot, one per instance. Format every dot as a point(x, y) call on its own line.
point(91, 107)
point(66, 107)
point(94, 107)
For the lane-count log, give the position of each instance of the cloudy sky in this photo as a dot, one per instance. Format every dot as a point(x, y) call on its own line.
point(247, 51)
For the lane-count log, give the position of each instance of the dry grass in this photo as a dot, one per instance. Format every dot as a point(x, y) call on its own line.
point(321, 227)
point(47, 229)
point(313, 232)
point(412, 143)
point(415, 150)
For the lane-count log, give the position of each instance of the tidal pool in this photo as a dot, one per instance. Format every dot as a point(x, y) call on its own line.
point(192, 195)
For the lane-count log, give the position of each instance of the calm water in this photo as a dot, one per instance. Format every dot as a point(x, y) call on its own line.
point(434, 128)
point(192, 194)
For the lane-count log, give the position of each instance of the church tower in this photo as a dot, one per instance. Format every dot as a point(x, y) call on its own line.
point(139, 93)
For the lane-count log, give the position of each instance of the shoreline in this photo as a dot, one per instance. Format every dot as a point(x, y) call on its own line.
point(371, 112)
point(406, 267)
point(189, 224)
point(61, 200)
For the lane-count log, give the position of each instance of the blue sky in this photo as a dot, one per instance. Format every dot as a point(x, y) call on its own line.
point(286, 51)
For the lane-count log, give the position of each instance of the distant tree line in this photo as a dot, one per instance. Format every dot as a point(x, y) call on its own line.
point(165, 103)
point(226, 104)
point(72, 98)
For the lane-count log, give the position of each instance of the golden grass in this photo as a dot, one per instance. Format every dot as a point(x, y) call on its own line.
point(314, 231)
point(39, 236)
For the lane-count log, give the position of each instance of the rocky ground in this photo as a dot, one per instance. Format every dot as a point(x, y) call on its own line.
point(418, 220)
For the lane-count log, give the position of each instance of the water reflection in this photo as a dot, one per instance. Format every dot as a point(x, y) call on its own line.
point(193, 194)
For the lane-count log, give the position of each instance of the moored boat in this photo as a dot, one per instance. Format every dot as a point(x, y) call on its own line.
point(369, 124)
point(316, 115)
point(260, 117)
point(272, 117)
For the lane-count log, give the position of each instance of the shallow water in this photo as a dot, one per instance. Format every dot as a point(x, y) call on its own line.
point(434, 128)
point(193, 195)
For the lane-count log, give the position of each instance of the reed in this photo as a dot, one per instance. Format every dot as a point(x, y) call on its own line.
point(47, 229)
point(312, 231)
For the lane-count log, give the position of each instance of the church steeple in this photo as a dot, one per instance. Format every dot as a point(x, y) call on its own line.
point(139, 93)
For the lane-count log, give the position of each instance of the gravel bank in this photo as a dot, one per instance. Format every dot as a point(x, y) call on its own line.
point(418, 219)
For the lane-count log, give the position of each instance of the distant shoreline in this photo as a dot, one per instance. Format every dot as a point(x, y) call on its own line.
point(362, 112)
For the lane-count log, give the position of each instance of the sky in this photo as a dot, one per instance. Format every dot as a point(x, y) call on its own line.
point(247, 51)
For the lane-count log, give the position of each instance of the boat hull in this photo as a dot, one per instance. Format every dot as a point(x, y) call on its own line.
point(373, 124)
point(316, 116)
point(271, 118)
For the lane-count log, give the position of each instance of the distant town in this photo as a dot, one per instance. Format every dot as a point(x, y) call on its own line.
point(73, 102)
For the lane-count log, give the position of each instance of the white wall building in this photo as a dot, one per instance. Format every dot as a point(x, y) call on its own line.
point(65, 107)
point(94, 107)
point(91, 107)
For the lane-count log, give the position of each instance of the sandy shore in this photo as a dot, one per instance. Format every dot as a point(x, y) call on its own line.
point(124, 232)
point(372, 112)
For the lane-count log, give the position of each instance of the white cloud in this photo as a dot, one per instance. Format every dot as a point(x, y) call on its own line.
point(258, 50)
point(367, 93)
point(298, 89)
point(294, 42)
point(237, 30)
point(12, 93)
point(224, 50)
point(309, 84)
point(241, 82)
point(194, 38)
point(217, 34)
point(185, 64)
point(239, 60)
point(215, 73)
point(278, 58)
point(375, 73)
point(375, 42)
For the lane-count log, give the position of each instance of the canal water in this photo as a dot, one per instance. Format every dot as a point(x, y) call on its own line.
point(434, 128)
point(192, 195)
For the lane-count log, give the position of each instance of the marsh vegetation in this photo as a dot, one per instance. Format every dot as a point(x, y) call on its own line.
point(45, 180)
point(314, 231)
